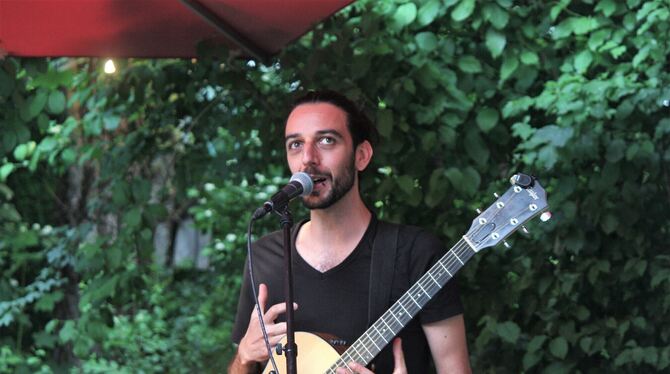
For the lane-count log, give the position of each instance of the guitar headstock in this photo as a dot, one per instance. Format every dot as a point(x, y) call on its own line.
point(518, 205)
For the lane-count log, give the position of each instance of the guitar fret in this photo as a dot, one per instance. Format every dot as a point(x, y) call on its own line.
point(410, 296)
point(436, 282)
point(374, 325)
point(458, 258)
point(447, 270)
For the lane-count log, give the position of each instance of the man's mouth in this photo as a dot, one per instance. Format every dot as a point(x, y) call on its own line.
point(318, 179)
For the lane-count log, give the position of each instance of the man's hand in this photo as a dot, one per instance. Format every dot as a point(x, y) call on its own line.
point(398, 362)
point(252, 346)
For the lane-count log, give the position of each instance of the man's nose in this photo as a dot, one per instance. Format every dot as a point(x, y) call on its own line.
point(310, 156)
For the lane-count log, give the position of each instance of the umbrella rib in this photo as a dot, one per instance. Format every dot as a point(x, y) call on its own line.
point(226, 29)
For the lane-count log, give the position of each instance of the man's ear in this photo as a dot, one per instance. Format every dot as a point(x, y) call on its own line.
point(363, 155)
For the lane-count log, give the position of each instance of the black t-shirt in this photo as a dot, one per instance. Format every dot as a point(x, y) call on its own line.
point(336, 301)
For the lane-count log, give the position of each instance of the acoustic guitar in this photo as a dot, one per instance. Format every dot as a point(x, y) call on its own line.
point(519, 204)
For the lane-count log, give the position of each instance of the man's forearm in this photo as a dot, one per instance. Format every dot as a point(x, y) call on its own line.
point(238, 367)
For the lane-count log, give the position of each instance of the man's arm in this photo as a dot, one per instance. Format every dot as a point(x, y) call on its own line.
point(448, 346)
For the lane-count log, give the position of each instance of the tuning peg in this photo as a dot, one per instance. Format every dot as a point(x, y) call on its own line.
point(546, 216)
point(506, 244)
point(479, 211)
point(525, 230)
point(495, 194)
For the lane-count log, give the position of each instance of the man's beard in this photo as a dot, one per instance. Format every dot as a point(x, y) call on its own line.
point(338, 189)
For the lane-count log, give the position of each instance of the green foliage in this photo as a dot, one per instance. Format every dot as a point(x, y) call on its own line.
point(467, 92)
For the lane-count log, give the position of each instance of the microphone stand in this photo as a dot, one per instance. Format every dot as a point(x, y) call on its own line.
point(291, 349)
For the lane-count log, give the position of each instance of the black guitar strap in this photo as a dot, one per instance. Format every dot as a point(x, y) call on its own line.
point(382, 269)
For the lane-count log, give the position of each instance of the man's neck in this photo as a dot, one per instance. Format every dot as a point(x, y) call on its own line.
point(333, 233)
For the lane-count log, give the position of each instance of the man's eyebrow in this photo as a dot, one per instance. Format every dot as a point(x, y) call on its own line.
point(333, 132)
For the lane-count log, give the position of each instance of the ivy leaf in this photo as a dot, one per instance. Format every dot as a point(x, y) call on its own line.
point(529, 58)
point(5, 170)
point(34, 105)
point(508, 67)
point(608, 7)
point(615, 150)
point(487, 118)
point(583, 60)
point(56, 102)
point(497, 16)
point(405, 14)
point(495, 42)
point(463, 10)
point(508, 331)
point(427, 41)
point(428, 12)
point(133, 217)
point(469, 64)
point(6, 84)
point(559, 347)
point(476, 148)
point(68, 332)
point(609, 223)
point(406, 184)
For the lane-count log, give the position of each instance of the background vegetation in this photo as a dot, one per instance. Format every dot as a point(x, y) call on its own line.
point(95, 169)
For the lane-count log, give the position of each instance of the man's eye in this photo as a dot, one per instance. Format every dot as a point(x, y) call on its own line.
point(327, 140)
point(293, 145)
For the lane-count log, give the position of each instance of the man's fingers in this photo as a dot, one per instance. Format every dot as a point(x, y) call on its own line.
point(275, 311)
point(276, 329)
point(398, 357)
point(262, 296)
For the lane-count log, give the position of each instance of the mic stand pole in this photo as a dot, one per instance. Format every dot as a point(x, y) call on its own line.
point(291, 349)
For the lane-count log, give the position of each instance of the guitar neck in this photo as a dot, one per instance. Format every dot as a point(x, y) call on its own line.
point(377, 336)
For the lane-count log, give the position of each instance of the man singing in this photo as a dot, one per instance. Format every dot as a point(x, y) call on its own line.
point(329, 138)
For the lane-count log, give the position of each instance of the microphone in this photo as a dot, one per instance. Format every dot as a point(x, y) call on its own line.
point(300, 185)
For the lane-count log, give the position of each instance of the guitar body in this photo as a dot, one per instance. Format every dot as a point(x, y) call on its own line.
point(315, 355)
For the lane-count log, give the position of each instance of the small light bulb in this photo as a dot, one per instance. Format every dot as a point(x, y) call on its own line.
point(109, 67)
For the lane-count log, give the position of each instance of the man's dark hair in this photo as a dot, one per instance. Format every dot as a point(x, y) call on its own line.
point(359, 125)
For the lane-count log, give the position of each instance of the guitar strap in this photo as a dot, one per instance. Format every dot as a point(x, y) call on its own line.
point(382, 269)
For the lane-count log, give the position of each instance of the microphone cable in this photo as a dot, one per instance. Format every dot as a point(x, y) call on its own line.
point(253, 289)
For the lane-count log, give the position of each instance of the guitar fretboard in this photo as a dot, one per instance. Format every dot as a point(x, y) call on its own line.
point(377, 336)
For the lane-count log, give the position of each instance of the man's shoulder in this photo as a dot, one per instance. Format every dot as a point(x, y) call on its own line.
point(269, 243)
point(412, 233)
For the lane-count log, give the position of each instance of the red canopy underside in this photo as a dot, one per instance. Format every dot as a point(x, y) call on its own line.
point(150, 28)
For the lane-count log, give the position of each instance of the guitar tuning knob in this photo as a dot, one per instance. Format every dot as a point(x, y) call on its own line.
point(495, 194)
point(506, 244)
point(525, 230)
point(546, 216)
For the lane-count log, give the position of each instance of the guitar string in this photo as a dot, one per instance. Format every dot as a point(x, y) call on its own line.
point(460, 246)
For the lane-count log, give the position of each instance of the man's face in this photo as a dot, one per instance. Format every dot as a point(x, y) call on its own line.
point(318, 143)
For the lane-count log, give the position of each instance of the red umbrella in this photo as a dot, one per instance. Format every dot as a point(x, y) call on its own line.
point(154, 28)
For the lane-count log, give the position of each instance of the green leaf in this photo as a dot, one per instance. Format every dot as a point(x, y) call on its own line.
point(615, 150)
point(495, 42)
point(583, 60)
point(428, 12)
point(583, 25)
point(463, 10)
point(508, 331)
point(609, 223)
point(469, 64)
point(427, 41)
point(56, 102)
point(529, 58)
point(6, 84)
point(487, 118)
point(405, 14)
point(497, 16)
point(5, 170)
point(385, 123)
point(536, 343)
point(508, 67)
point(34, 105)
point(68, 332)
point(406, 184)
point(133, 217)
point(559, 347)
point(476, 148)
point(608, 7)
